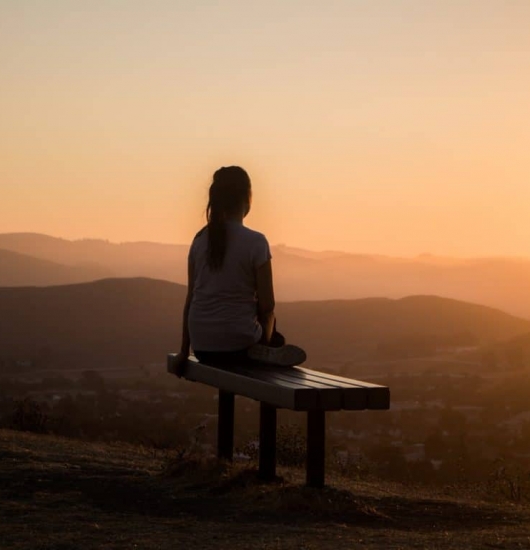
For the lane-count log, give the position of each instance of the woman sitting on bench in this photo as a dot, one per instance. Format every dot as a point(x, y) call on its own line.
point(229, 311)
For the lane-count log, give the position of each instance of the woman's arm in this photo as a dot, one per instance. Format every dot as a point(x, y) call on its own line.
point(186, 343)
point(185, 346)
point(265, 292)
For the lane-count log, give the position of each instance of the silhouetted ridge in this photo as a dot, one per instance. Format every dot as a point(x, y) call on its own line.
point(341, 325)
point(115, 322)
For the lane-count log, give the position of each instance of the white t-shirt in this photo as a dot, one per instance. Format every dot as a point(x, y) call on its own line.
point(223, 310)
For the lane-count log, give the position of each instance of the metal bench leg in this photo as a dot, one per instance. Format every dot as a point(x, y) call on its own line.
point(267, 442)
point(316, 448)
point(225, 426)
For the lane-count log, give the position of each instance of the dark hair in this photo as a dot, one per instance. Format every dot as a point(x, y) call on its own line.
point(229, 193)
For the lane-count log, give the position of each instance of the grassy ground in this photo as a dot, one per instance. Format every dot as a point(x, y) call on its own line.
point(65, 494)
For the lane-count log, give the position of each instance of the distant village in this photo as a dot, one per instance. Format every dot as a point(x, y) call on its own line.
point(464, 424)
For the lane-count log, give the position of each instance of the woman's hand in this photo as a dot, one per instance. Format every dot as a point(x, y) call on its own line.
point(180, 362)
point(182, 357)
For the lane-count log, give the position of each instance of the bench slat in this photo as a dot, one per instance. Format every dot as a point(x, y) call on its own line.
point(347, 396)
point(355, 395)
point(328, 397)
point(378, 396)
point(281, 394)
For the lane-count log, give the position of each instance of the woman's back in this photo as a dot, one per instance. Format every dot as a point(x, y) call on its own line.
point(223, 310)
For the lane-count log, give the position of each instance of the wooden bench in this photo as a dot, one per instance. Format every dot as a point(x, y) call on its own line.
point(294, 388)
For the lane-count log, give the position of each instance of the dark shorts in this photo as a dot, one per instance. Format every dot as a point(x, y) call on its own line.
point(234, 358)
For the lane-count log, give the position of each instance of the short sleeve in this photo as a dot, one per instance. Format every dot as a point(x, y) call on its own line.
point(192, 252)
point(261, 252)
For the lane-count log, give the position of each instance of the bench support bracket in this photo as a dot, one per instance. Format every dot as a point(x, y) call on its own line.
point(267, 442)
point(316, 448)
point(225, 426)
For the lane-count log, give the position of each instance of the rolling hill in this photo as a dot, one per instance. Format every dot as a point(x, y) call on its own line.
point(21, 270)
point(502, 283)
point(114, 322)
point(128, 322)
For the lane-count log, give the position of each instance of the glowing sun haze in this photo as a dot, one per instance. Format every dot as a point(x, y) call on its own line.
point(384, 126)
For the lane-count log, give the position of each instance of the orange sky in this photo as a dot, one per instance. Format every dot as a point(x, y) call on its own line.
point(384, 126)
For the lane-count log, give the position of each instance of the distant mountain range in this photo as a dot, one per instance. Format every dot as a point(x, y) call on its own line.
point(299, 274)
point(23, 270)
point(159, 261)
point(129, 322)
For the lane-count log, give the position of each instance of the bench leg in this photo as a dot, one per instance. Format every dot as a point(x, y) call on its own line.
point(316, 448)
point(225, 426)
point(267, 442)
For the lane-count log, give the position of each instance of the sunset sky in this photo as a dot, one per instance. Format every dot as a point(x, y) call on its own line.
point(381, 126)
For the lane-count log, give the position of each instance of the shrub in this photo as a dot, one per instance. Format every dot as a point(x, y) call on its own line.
point(28, 416)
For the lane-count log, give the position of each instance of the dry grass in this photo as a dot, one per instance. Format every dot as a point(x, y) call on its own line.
point(64, 494)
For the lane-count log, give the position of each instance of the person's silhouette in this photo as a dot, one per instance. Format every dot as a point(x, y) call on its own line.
point(229, 311)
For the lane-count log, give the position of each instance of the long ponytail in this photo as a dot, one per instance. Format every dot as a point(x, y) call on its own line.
point(229, 192)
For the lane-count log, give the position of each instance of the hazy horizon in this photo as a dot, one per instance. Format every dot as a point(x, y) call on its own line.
point(292, 248)
point(299, 274)
point(393, 127)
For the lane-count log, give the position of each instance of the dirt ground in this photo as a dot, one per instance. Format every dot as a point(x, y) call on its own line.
point(64, 494)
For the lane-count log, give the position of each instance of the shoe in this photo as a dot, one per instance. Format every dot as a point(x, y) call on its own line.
point(284, 356)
